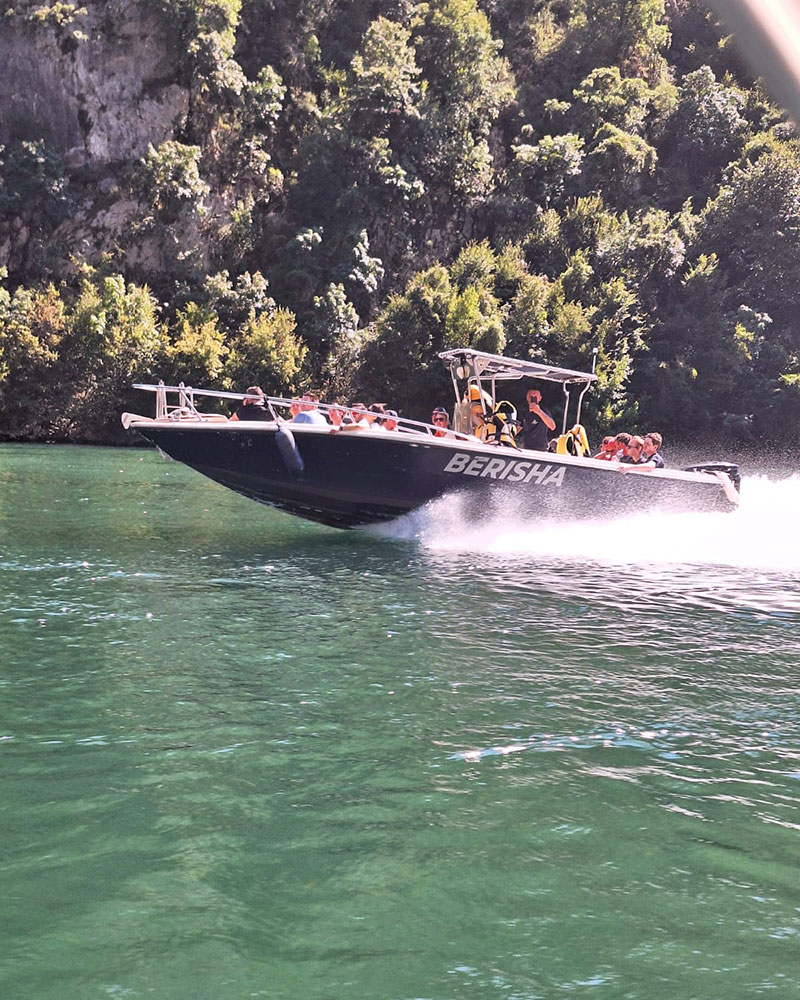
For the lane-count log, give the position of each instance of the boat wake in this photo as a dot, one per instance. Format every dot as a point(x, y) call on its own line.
point(760, 534)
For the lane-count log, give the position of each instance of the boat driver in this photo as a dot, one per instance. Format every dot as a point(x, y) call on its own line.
point(536, 422)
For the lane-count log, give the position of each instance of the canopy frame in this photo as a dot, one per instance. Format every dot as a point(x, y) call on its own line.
point(471, 367)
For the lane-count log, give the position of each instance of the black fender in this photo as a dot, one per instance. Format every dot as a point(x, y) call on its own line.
point(290, 453)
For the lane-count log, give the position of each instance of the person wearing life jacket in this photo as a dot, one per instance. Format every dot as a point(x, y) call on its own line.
point(502, 426)
point(480, 406)
point(536, 422)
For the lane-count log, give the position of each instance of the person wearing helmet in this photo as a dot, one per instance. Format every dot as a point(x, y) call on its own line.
point(480, 406)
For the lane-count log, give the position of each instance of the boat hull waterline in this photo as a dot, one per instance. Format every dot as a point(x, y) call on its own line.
point(348, 480)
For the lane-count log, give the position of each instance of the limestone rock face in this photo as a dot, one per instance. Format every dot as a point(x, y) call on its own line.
point(98, 88)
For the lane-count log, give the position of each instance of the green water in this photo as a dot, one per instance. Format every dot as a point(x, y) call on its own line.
point(244, 756)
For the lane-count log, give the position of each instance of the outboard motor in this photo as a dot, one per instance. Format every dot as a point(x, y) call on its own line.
point(730, 470)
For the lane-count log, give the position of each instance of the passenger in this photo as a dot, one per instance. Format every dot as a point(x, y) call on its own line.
point(536, 423)
point(480, 403)
point(336, 415)
point(441, 421)
point(634, 456)
point(623, 443)
point(608, 449)
point(375, 416)
point(651, 458)
point(340, 419)
point(358, 413)
point(309, 411)
point(354, 420)
point(252, 406)
point(390, 420)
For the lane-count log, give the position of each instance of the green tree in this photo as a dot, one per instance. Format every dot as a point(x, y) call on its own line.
point(549, 168)
point(620, 160)
point(474, 320)
point(628, 33)
point(114, 338)
point(401, 361)
point(266, 351)
point(32, 326)
point(197, 353)
point(336, 325)
point(33, 182)
point(753, 226)
point(647, 249)
point(234, 300)
point(168, 180)
point(204, 35)
point(468, 83)
point(382, 96)
point(605, 97)
point(706, 130)
point(698, 373)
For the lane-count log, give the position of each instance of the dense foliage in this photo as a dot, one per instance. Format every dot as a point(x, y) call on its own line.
point(359, 184)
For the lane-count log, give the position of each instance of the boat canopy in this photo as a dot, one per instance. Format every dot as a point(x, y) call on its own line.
point(483, 371)
point(464, 363)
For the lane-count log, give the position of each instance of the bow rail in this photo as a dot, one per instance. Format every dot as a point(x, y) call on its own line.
point(180, 403)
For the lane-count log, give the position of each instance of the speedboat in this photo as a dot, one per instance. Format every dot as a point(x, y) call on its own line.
point(348, 476)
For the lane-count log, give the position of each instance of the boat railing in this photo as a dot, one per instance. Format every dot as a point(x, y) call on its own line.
point(180, 402)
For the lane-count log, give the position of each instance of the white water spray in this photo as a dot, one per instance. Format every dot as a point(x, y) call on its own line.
point(762, 534)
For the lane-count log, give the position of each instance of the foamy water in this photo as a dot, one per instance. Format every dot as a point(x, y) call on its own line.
point(761, 534)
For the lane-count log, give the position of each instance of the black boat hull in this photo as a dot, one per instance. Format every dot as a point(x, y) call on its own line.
point(350, 479)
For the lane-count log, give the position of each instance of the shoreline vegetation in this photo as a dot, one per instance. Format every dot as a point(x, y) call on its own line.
point(344, 190)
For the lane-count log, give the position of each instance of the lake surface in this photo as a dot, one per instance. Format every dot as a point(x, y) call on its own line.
point(245, 756)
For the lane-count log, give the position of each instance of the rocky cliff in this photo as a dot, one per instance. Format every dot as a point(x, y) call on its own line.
point(96, 82)
point(95, 86)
